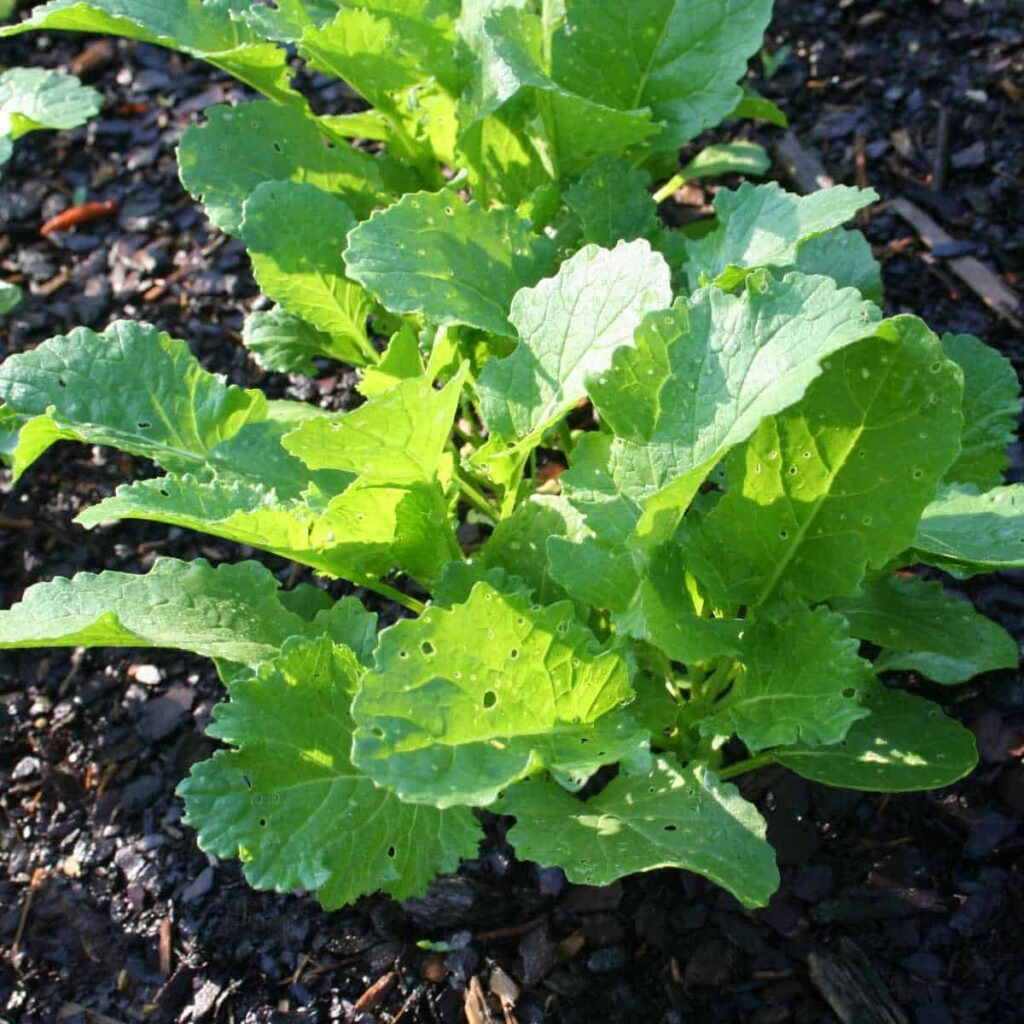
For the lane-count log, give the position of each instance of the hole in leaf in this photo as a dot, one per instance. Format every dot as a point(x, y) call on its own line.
point(391, 851)
point(513, 654)
point(670, 828)
point(62, 382)
point(143, 425)
point(490, 699)
point(427, 647)
point(247, 781)
point(263, 822)
point(278, 148)
point(378, 732)
point(849, 693)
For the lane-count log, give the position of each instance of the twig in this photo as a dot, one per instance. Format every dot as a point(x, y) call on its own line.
point(985, 283)
point(414, 995)
point(76, 215)
point(940, 162)
point(511, 932)
point(802, 166)
point(376, 993)
point(37, 879)
point(165, 946)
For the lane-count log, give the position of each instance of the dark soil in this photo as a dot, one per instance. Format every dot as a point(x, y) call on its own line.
point(109, 912)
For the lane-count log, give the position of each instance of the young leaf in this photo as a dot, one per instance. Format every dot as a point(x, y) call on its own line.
point(74, 387)
point(923, 629)
point(295, 234)
point(905, 744)
point(763, 226)
point(991, 409)
point(612, 203)
point(967, 533)
point(801, 681)
point(401, 361)
point(455, 263)
point(201, 29)
point(838, 482)
point(288, 801)
point(231, 612)
point(31, 99)
point(569, 326)
point(674, 817)
point(464, 702)
point(681, 59)
point(283, 343)
point(239, 147)
point(727, 158)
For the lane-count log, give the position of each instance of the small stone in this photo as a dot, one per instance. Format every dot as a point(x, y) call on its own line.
point(26, 767)
point(148, 675)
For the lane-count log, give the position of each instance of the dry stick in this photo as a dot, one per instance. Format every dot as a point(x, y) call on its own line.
point(375, 994)
point(985, 283)
point(940, 162)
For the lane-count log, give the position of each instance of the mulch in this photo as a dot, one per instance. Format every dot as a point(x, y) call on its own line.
point(892, 909)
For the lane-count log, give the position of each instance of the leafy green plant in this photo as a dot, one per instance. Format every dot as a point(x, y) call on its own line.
point(725, 575)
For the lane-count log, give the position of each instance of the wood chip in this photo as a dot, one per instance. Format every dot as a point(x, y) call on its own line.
point(985, 283)
point(475, 1004)
point(507, 992)
point(165, 946)
point(376, 993)
point(853, 988)
point(801, 165)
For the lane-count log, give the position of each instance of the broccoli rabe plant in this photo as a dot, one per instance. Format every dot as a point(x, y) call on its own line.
point(685, 604)
point(725, 575)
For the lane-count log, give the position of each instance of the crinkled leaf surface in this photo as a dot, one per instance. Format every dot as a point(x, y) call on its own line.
point(232, 611)
point(569, 326)
point(921, 628)
point(905, 744)
point(846, 257)
point(455, 263)
point(32, 98)
point(239, 147)
point(967, 533)
point(75, 385)
point(763, 226)
point(680, 58)
point(295, 234)
point(464, 702)
point(283, 343)
point(991, 410)
point(288, 801)
point(674, 817)
point(801, 681)
point(202, 30)
point(613, 203)
point(838, 482)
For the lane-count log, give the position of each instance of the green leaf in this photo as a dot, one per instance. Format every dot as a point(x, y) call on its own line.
point(464, 702)
point(801, 681)
point(923, 629)
point(727, 158)
point(673, 818)
point(569, 326)
point(613, 203)
point(680, 58)
point(764, 226)
point(967, 533)
point(754, 105)
point(846, 257)
point(455, 263)
point(175, 413)
point(991, 409)
point(10, 297)
point(201, 29)
point(239, 147)
point(906, 744)
point(837, 483)
point(31, 99)
point(232, 611)
point(398, 437)
point(401, 361)
point(348, 623)
point(288, 801)
point(283, 343)
point(295, 234)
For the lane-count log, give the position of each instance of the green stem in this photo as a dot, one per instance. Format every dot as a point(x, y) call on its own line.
point(565, 438)
point(742, 767)
point(386, 590)
point(670, 187)
point(475, 497)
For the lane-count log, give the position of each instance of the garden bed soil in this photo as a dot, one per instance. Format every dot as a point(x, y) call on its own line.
point(896, 909)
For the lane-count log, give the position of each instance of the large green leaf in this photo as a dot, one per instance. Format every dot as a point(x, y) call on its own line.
point(464, 702)
point(801, 681)
point(239, 147)
point(923, 629)
point(680, 58)
point(905, 744)
point(455, 263)
point(131, 387)
point(31, 99)
point(674, 817)
point(837, 483)
point(967, 533)
point(288, 801)
point(201, 29)
point(991, 410)
point(231, 612)
point(295, 234)
point(846, 257)
point(763, 226)
point(569, 326)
